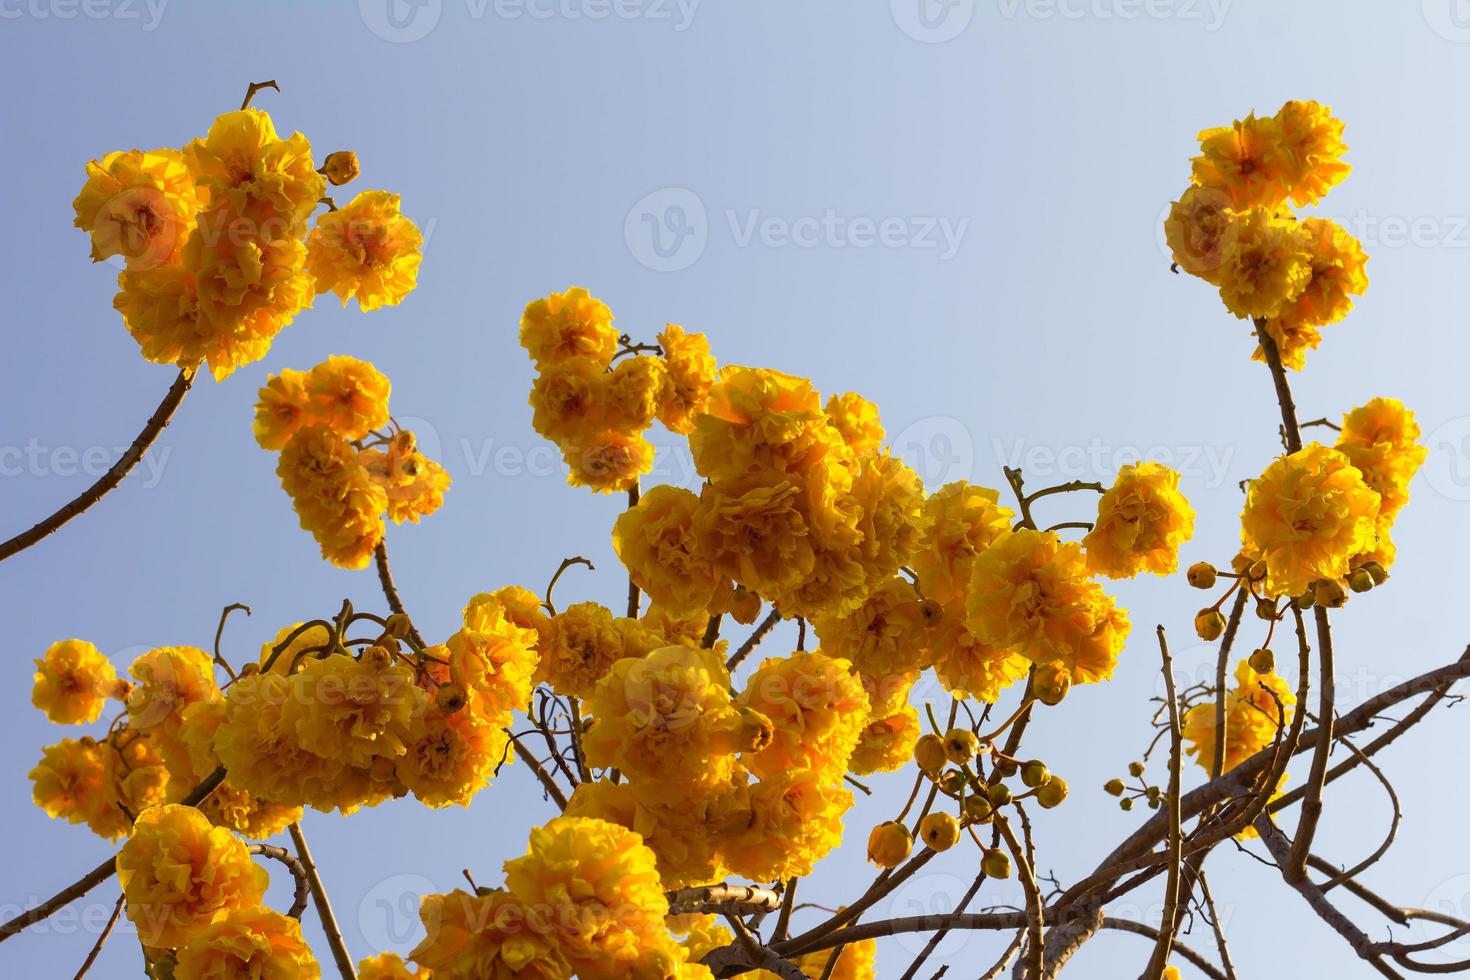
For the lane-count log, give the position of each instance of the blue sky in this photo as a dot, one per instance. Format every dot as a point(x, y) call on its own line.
point(953, 209)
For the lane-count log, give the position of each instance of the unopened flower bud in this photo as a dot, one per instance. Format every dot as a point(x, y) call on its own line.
point(1376, 569)
point(939, 831)
point(1263, 661)
point(996, 864)
point(745, 606)
point(1359, 580)
point(449, 698)
point(397, 626)
point(1051, 682)
point(978, 809)
point(1306, 600)
point(999, 794)
point(1034, 773)
point(1202, 575)
point(952, 782)
point(340, 167)
point(1125, 804)
point(1266, 609)
point(1113, 787)
point(756, 730)
point(1052, 792)
point(1329, 593)
point(889, 844)
point(1135, 769)
point(1209, 624)
point(378, 657)
point(960, 745)
point(929, 753)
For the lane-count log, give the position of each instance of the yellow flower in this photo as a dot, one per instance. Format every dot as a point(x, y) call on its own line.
point(247, 289)
point(350, 711)
point(1245, 160)
point(335, 497)
point(794, 820)
point(493, 658)
point(1306, 516)
point(580, 646)
point(681, 835)
point(1030, 592)
point(891, 519)
point(666, 722)
point(169, 680)
point(758, 537)
point(452, 757)
point(1141, 522)
point(414, 483)
point(886, 744)
point(246, 943)
point(268, 181)
point(887, 634)
point(1311, 148)
point(1251, 718)
point(1201, 232)
point(367, 249)
point(348, 396)
point(657, 542)
point(340, 167)
point(569, 398)
point(71, 783)
point(969, 668)
point(633, 392)
point(608, 461)
point(598, 883)
point(263, 753)
point(1337, 274)
point(1381, 440)
point(702, 933)
point(139, 205)
point(857, 419)
point(569, 324)
point(818, 708)
point(691, 374)
point(492, 936)
point(388, 966)
point(1269, 266)
point(962, 520)
point(160, 308)
point(180, 874)
point(73, 681)
point(765, 422)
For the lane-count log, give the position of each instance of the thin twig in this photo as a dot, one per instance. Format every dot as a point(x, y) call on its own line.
point(753, 640)
point(293, 865)
point(101, 939)
point(390, 591)
point(154, 427)
point(323, 905)
point(1171, 888)
point(219, 633)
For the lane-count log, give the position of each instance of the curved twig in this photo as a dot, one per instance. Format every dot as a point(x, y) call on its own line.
point(293, 865)
point(154, 427)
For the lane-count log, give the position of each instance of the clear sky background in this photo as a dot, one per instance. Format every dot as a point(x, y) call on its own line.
point(540, 145)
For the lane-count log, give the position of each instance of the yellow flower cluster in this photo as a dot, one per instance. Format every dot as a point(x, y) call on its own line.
point(215, 240)
point(160, 754)
point(1031, 593)
point(585, 900)
point(1307, 517)
point(341, 473)
point(192, 888)
point(1381, 440)
point(1141, 523)
point(1252, 718)
point(1234, 229)
point(596, 405)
